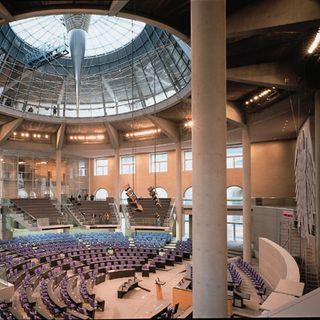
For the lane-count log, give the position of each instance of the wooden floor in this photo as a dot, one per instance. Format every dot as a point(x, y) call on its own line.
point(138, 303)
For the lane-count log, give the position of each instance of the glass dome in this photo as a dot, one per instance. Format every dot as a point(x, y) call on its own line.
point(105, 33)
point(136, 67)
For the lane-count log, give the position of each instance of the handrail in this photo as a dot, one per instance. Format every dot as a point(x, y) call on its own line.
point(67, 209)
point(126, 215)
point(173, 207)
point(115, 211)
point(24, 212)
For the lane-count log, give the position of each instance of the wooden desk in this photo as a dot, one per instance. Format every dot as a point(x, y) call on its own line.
point(290, 287)
point(276, 300)
point(74, 296)
point(43, 312)
point(113, 274)
point(78, 315)
point(237, 295)
point(54, 298)
point(30, 299)
point(100, 304)
point(100, 277)
point(127, 286)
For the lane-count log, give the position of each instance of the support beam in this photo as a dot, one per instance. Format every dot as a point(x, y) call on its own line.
point(234, 114)
point(178, 192)
point(272, 15)
point(5, 14)
point(117, 177)
point(7, 130)
point(117, 6)
point(317, 164)
point(60, 136)
point(109, 89)
point(58, 176)
point(266, 74)
point(246, 145)
point(13, 83)
point(209, 253)
point(166, 126)
point(113, 135)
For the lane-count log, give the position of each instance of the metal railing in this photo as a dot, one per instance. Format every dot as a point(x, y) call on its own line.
point(234, 233)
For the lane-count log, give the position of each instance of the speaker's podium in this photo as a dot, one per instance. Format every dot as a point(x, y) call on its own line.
point(159, 285)
point(182, 294)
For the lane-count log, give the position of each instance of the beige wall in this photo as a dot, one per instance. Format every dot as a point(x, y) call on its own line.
point(272, 173)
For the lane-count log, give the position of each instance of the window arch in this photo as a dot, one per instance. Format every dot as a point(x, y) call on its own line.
point(234, 196)
point(187, 197)
point(162, 193)
point(101, 194)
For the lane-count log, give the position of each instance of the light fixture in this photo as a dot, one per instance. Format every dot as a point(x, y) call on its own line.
point(14, 133)
point(188, 124)
point(142, 133)
point(315, 42)
point(260, 95)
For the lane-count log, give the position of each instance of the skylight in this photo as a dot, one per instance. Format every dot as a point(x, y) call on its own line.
point(105, 34)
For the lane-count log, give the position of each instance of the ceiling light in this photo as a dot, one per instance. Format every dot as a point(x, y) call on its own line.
point(46, 136)
point(27, 134)
point(34, 135)
point(188, 124)
point(142, 133)
point(315, 42)
point(14, 133)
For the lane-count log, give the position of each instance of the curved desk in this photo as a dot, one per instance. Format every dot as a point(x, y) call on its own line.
point(73, 294)
point(121, 273)
point(53, 297)
point(127, 286)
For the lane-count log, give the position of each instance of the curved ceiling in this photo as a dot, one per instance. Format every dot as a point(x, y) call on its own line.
point(266, 48)
point(105, 34)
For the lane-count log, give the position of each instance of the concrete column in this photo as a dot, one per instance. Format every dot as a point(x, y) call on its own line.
point(246, 147)
point(117, 177)
point(208, 43)
point(89, 176)
point(1, 175)
point(58, 176)
point(178, 193)
point(317, 164)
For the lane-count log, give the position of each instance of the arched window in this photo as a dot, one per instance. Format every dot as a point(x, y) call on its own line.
point(234, 196)
point(123, 198)
point(101, 194)
point(162, 193)
point(187, 197)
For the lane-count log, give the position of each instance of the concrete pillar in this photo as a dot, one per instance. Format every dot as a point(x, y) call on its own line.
point(1, 175)
point(89, 176)
point(117, 177)
point(178, 193)
point(208, 43)
point(58, 176)
point(246, 146)
point(317, 164)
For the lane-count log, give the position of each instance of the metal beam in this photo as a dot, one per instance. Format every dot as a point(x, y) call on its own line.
point(169, 128)
point(116, 6)
point(60, 136)
point(108, 88)
point(8, 128)
point(5, 14)
point(272, 15)
point(266, 74)
point(113, 135)
point(14, 82)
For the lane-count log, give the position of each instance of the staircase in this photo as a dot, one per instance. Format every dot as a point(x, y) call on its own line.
point(22, 218)
point(308, 270)
point(70, 210)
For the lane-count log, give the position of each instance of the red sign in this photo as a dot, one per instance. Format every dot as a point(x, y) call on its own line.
point(288, 214)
